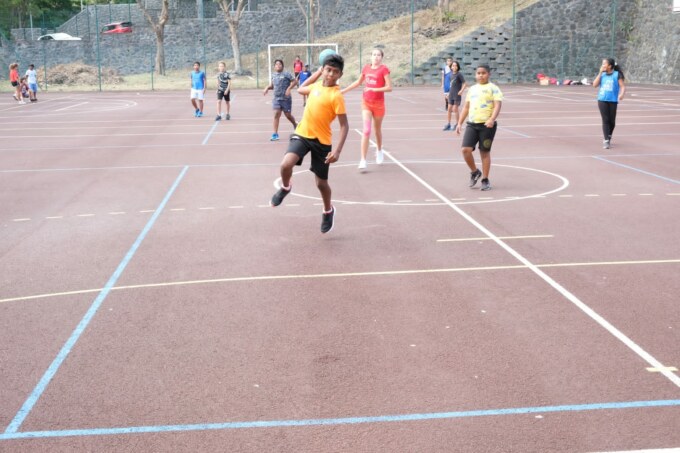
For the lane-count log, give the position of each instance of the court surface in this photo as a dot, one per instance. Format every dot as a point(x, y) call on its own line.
point(152, 300)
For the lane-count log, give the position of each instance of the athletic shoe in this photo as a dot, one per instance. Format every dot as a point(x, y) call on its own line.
point(379, 156)
point(228, 116)
point(327, 220)
point(274, 138)
point(278, 197)
point(196, 112)
point(218, 117)
point(606, 144)
point(199, 114)
point(474, 177)
point(447, 127)
point(486, 185)
point(362, 164)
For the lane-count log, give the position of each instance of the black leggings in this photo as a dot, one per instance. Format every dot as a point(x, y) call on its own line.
point(608, 113)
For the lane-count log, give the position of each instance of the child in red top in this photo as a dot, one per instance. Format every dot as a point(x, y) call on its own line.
point(378, 82)
point(14, 80)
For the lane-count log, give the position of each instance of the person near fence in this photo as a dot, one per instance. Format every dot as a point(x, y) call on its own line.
point(612, 88)
point(198, 86)
point(304, 75)
point(32, 81)
point(24, 88)
point(223, 90)
point(482, 105)
point(378, 82)
point(458, 85)
point(14, 81)
point(297, 67)
point(282, 83)
point(313, 135)
point(446, 87)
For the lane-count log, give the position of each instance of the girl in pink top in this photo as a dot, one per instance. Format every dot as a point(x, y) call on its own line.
point(377, 82)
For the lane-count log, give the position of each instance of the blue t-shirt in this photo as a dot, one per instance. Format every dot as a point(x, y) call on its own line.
point(197, 80)
point(447, 78)
point(609, 87)
point(304, 75)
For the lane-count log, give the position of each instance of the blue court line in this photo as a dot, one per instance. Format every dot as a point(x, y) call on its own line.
point(338, 421)
point(674, 181)
point(70, 343)
point(212, 129)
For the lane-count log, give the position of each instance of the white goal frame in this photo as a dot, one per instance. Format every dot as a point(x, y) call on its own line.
point(304, 44)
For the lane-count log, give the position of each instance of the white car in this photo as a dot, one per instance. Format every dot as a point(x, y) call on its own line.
point(58, 37)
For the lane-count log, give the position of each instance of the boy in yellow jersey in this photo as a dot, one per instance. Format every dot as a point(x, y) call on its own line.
point(483, 103)
point(324, 103)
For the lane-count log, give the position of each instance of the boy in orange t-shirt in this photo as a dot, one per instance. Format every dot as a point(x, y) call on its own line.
point(313, 134)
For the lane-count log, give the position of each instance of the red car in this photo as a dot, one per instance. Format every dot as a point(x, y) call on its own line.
point(117, 27)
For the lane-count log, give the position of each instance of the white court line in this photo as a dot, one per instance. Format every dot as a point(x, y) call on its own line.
point(71, 106)
point(403, 99)
point(535, 236)
point(647, 357)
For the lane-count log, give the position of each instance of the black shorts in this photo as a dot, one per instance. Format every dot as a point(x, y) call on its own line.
point(15, 84)
point(478, 133)
point(454, 99)
point(300, 146)
point(222, 94)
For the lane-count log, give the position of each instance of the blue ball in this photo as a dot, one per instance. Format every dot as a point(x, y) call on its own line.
point(325, 54)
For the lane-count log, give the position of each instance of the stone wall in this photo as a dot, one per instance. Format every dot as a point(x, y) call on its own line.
point(654, 53)
point(269, 21)
point(569, 38)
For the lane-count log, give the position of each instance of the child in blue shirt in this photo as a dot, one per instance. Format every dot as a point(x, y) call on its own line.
point(198, 85)
point(304, 75)
point(610, 80)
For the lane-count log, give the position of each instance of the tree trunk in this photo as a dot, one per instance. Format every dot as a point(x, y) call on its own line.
point(160, 53)
point(233, 20)
point(235, 46)
point(159, 29)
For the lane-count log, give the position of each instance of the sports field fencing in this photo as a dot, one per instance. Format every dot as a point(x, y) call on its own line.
point(524, 43)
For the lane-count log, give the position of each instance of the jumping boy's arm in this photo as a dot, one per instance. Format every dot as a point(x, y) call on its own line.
point(463, 116)
point(354, 84)
point(334, 155)
point(268, 87)
point(496, 111)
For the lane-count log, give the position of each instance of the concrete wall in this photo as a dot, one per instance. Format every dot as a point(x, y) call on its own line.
point(187, 38)
point(654, 52)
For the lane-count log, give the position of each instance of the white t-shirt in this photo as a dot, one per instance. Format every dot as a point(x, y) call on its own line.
point(31, 76)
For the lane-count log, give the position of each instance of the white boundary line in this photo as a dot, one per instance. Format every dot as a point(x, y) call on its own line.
point(546, 278)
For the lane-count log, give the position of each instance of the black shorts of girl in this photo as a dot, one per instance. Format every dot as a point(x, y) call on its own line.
point(222, 94)
point(479, 133)
point(300, 146)
point(15, 84)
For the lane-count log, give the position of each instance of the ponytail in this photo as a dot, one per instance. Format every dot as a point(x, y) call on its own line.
point(616, 67)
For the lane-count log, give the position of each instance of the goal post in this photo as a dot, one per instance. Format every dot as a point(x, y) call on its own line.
point(287, 52)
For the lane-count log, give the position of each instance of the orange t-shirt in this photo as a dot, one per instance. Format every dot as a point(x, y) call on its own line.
point(323, 105)
point(14, 75)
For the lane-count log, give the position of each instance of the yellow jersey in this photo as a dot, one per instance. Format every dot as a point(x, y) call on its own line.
point(323, 105)
point(481, 99)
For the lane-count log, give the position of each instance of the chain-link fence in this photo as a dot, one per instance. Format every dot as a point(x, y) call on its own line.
point(107, 46)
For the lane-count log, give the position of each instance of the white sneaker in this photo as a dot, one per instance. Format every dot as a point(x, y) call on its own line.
point(379, 156)
point(362, 164)
point(605, 144)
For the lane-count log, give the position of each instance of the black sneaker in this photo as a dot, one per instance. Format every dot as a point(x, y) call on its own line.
point(486, 185)
point(474, 177)
point(327, 220)
point(278, 197)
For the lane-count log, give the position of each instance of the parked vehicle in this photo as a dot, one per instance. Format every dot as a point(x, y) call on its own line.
point(58, 37)
point(117, 27)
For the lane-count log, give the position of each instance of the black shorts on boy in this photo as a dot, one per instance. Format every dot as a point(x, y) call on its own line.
point(222, 95)
point(300, 146)
point(478, 133)
point(455, 99)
